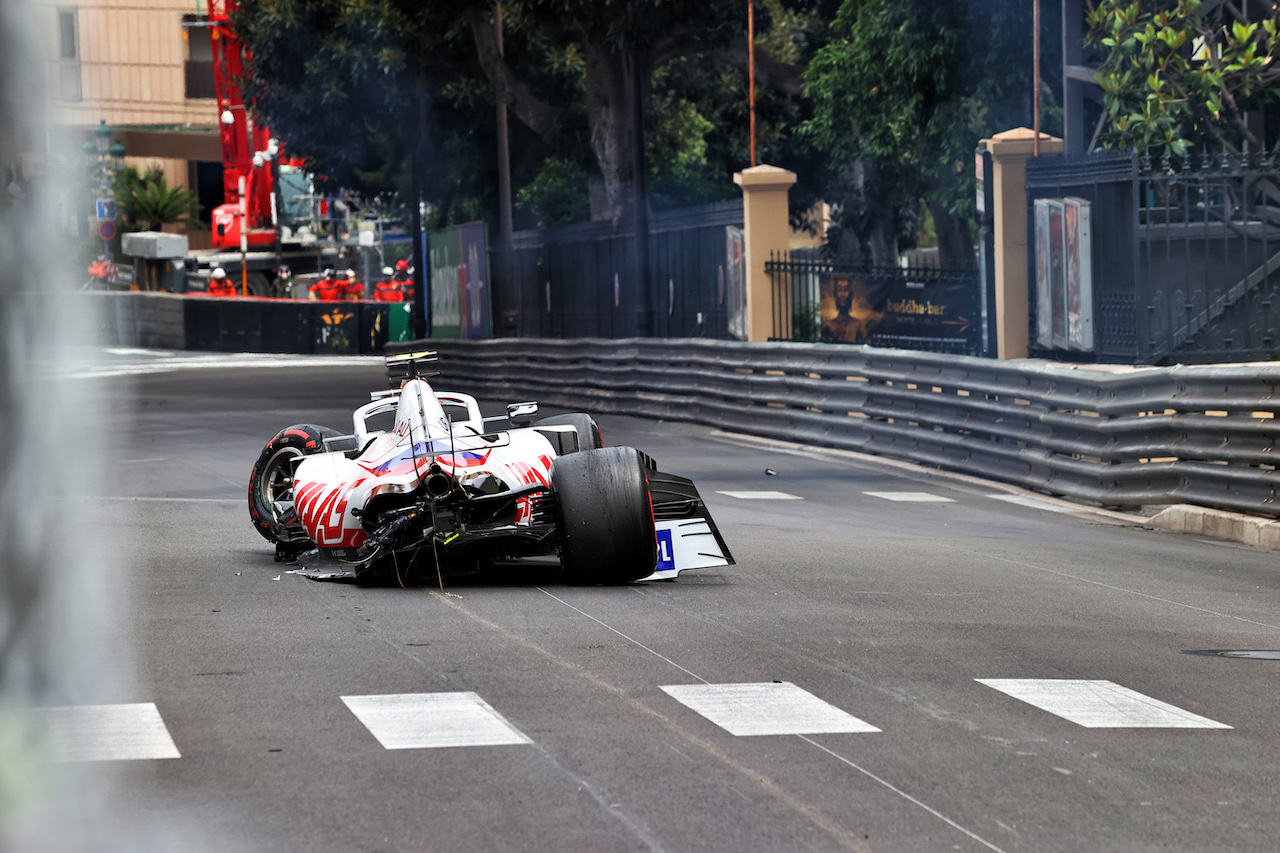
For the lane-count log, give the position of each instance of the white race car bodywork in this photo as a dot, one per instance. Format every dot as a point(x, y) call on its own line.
point(332, 490)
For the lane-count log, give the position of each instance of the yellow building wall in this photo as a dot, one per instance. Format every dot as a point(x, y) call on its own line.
point(132, 56)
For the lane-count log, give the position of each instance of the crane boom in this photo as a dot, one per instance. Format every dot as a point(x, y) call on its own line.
point(242, 136)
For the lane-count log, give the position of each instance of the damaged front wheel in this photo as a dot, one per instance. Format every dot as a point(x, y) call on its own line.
point(272, 477)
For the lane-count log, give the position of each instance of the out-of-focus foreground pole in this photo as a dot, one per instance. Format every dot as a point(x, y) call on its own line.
point(66, 628)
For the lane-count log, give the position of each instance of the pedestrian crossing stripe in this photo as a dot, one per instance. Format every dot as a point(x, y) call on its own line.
point(762, 496)
point(127, 732)
point(1033, 503)
point(436, 720)
point(766, 708)
point(911, 497)
point(1099, 704)
point(433, 720)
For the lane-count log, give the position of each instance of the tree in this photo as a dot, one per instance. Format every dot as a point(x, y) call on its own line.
point(146, 202)
point(1175, 74)
point(901, 94)
point(346, 84)
point(621, 43)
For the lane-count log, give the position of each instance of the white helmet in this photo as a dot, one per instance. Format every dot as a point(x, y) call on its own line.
point(388, 271)
point(219, 274)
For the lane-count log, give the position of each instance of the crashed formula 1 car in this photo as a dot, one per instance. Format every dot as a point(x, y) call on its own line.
point(443, 491)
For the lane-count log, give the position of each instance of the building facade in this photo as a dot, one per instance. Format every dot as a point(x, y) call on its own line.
point(145, 67)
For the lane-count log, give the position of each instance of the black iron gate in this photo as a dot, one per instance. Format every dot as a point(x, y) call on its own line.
point(1185, 255)
point(578, 281)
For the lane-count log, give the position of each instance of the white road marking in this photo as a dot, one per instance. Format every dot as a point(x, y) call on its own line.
point(767, 708)
point(107, 733)
point(913, 497)
point(1099, 704)
point(762, 496)
point(1032, 503)
point(433, 720)
point(210, 361)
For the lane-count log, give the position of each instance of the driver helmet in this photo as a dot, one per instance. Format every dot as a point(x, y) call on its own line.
point(219, 274)
point(402, 265)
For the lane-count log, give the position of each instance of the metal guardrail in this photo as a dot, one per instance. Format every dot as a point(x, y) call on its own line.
point(1122, 437)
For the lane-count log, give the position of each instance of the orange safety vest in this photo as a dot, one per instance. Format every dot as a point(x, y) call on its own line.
point(222, 287)
point(387, 291)
point(327, 290)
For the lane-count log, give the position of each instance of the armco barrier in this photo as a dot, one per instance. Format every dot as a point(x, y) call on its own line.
point(1122, 436)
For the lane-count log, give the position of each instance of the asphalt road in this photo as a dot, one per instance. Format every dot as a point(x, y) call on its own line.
point(888, 610)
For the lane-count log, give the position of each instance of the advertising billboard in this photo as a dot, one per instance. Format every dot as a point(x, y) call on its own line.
point(1064, 274)
point(459, 268)
point(899, 309)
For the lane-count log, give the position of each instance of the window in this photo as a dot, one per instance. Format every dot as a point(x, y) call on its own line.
point(68, 55)
point(67, 47)
point(198, 69)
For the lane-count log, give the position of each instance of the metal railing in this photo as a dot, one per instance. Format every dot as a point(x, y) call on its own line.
point(579, 280)
point(1186, 254)
point(1199, 435)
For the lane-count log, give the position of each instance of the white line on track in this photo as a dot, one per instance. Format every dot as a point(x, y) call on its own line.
point(911, 497)
point(168, 500)
point(1099, 704)
point(433, 720)
point(625, 637)
point(873, 777)
point(165, 362)
point(804, 738)
point(1032, 503)
point(107, 732)
point(762, 496)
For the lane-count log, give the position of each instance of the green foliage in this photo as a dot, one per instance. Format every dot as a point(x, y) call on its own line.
point(906, 88)
point(345, 83)
point(1174, 75)
point(557, 195)
point(146, 202)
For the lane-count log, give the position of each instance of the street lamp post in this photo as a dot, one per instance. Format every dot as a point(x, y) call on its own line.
point(105, 160)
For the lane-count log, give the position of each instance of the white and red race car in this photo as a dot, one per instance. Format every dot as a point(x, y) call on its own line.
point(444, 490)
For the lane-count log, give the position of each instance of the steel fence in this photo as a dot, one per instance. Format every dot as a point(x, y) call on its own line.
point(1119, 437)
point(580, 280)
point(1186, 254)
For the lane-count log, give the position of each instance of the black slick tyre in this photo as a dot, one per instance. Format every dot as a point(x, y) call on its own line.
point(604, 516)
point(272, 477)
point(585, 425)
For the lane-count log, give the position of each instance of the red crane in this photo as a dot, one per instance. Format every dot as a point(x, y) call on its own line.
point(244, 141)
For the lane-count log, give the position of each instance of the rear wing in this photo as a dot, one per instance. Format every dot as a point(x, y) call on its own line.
point(407, 365)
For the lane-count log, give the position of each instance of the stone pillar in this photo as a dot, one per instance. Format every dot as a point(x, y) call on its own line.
point(766, 228)
point(1009, 154)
